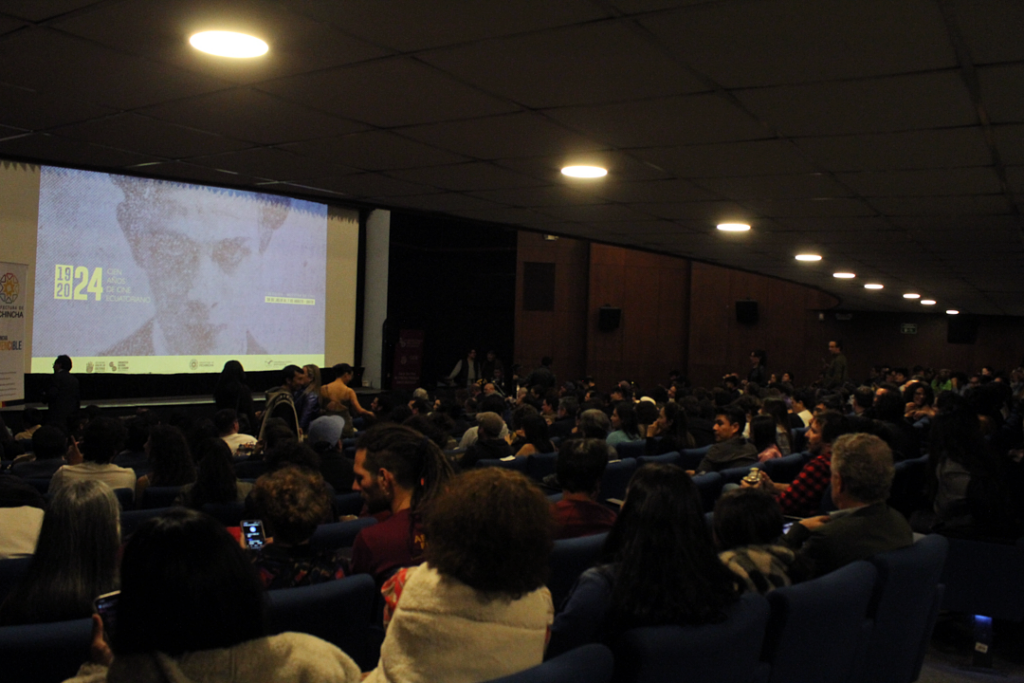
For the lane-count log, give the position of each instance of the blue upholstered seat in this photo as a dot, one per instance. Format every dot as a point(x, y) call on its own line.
point(588, 664)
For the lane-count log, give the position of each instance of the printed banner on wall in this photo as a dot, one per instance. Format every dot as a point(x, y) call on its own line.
point(13, 305)
point(408, 360)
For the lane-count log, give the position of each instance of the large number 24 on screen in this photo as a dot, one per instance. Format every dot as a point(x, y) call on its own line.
point(75, 283)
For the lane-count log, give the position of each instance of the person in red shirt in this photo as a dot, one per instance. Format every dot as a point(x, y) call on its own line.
point(579, 468)
point(397, 470)
point(802, 497)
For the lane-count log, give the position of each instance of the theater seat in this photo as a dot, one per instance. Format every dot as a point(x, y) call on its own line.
point(158, 497)
point(11, 572)
point(44, 653)
point(348, 503)
point(125, 497)
point(569, 558)
point(728, 652)
point(131, 519)
point(905, 605)
point(339, 534)
point(588, 664)
point(336, 611)
point(631, 449)
point(689, 458)
point(518, 464)
point(734, 475)
point(540, 465)
point(228, 514)
point(817, 629)
point(710, 486)
point(1000, 593)
point(616, 478)
point(784, 470)
point(671, 458)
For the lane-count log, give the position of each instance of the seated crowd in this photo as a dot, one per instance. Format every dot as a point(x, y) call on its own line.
point(460, 534)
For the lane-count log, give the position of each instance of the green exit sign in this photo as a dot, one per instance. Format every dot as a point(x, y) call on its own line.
point(908, 328)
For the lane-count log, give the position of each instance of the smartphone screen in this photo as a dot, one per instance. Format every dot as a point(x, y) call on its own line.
point(252, 531)
point(106, 606)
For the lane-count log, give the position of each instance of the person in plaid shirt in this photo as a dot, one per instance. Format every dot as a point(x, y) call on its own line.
point(802, 497)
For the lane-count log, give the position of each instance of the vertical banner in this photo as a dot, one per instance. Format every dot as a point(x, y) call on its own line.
point(13, 305)
point(408, 360)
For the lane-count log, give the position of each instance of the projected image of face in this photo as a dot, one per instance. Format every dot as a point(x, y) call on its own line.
point(200, 256)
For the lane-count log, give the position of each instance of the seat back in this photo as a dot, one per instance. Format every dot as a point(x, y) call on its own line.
point(728, 652)
point(689, 458)
point(817, 629)
point(906, 601)
point(540, 465)
point(337, 611)
point(670, 458)
point(631, 449)
point(517, 464)
point(710, 486)
point(228, 514)
point(339, 534)
point(569, 558)
point(44, 653)
point(39, 484)
point(734, 475)
point(799, 439)
point(12, 570)
point(125, 498)
point(908, 485)
point(158, 497)
point(588, 664)
point(616, 479)
point(1000, 594)
point(783, 470)
point(131, 519)
point(350, 503)
point(250, 469)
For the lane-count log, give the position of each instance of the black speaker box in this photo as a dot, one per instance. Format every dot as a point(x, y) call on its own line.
point(608, 318)
point(746, 312)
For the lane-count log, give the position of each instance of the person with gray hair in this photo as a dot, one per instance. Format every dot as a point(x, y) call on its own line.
point(862, 474)
point(593, 424)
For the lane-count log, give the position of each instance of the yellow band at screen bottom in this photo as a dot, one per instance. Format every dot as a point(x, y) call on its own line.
point(174, 365)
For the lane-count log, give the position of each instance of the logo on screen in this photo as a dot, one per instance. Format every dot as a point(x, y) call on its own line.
point(88, 366)
point(9, 288)
point(193, 364)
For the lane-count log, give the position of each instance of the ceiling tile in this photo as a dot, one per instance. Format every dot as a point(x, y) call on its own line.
point(805, 186)
point(1001, 93)
point(927, 182)
point(159, 30)
point(376, 93)
point(464, 177)
point(58, 65)
point(373, 185)
point(509, 136)
point(967, 204)
point(806, 208)
point(408, 25)
point(47, 148)
point(594, 213)
point(273, 164)
point(8, 24)
point(711, 212)
point(991, 28)
point(651, 191)
point(1010, 143)
point(149, 136)
point(375, 150)
point(29, 109)
point(760, 157)
point(945, 148)
point(35, 11)
point(877, 105)
point(451, 202)
point(246, 114)
point(189, 172)
point(551, 195)
point(622, 166)
point(688, 120)
point(597, 62)
point(794, 41)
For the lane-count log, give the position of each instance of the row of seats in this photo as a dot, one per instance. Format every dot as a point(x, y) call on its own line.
point(869, 621)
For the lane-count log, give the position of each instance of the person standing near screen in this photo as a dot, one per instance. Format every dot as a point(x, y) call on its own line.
point(200, 257)
point(62, 399)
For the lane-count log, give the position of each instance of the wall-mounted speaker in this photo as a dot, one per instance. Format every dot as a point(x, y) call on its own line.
point(608, 318)
point(961, 329)
point(746, 312)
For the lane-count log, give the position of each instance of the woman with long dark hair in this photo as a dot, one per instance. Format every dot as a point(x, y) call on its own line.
point(75, 559)
point(673, 428)
point(170, 458)
point(534, 436)
point(658, 566)
point(232, 392)
point(625, 424)
point(215, 477)
point(777, 408)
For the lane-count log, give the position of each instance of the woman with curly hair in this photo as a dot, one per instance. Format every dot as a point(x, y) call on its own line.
point(478, 608)
point(658, 566)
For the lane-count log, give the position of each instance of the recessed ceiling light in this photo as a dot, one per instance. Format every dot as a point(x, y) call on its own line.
point(844, 276)
point(873, 285)
point(952, 311)
point(911, 295)
point(584, 171)
point(733, 227)
point(808, 257)
point(228, 44)
point(927, 302)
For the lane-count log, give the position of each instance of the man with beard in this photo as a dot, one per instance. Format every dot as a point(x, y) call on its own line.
point(802, 497)
point(398, 471)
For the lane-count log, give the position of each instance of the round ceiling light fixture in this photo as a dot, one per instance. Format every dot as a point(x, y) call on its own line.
point(952, 311)
point(844, 276)
point(911, 295)
point(873, 285)
point(228, 44)
point(808, 257)
point(927, 302)
point(585, 171)
point(733, 227)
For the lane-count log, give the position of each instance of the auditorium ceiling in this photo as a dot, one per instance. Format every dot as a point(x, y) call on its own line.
point(885, 135)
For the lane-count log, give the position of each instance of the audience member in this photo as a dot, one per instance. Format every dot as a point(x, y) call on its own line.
point(776, 407)
point(730, 448)
point(533, 436)
point(62, 398)
point(836, 373)
point(489, 444)
point(763, 434)
point(579, 468)
point(340, 399)
point(101, 440)
point(478, 609)
point(672, 428)
point(49, 444)
point(489, 404)
point(21, 517)
point(862, 473)
point(625, 425)
point(398, 471)
point(75, 558)
point(232, 393)
point(325, 437)
point(134, 453)
point(31, 420)
point(748, 532)
point(658, 566)
point(215, 482)
point(229, 429)
point(170, 458)
point(192, 609)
